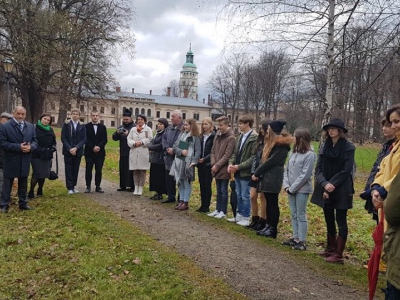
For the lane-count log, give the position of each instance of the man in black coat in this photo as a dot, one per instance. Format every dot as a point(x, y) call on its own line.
point(18, 141)
point(125, 175)
point(169, 138)
point(73, 137)
point(95, 153)
point(5, 117)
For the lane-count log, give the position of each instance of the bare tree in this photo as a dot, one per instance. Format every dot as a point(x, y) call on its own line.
point(174, 86)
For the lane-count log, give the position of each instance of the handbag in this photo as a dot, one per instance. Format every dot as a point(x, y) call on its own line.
point(54, 175)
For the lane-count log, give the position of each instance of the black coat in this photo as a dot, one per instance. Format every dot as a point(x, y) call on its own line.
point(122, 138)
point(98, 139)
point(46, 143)
point(156, 151)
point(72, 138)
point(16, 163)
point(337, 170)
point(206, 151)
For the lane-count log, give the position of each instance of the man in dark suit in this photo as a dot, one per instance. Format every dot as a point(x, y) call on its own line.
point(18, 141)
point(73, 137)
point(96, 140)
point(125, 175)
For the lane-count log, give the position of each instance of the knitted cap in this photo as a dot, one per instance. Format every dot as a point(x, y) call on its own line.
point(277, 126)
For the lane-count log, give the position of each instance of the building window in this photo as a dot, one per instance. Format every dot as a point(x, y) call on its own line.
point(149, 112)
point(136, 111)
point(196, 116)
point(237, 118)
point(53, 119)
point(168, 115)
point(102, 122)
point(143, 111)
point(102, 110)
point(183, 116)
point(112, 123)
point(53, 106)
point(95, 108)
point(230, 117)
point(113, 110)
point(82, 108)
point(158, 114)
point(69, 107)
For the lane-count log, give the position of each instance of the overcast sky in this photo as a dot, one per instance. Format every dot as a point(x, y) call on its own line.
point(163, 30)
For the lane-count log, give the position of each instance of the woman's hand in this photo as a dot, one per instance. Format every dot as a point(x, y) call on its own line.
point(184, 152)
point(329, 187)
point(377, 200)
point(254, 178)
point(325, 195)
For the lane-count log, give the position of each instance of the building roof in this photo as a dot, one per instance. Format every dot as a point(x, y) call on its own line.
point(158, 99)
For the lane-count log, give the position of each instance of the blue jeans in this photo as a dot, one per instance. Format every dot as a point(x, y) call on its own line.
point(298, 207)
point(243, 196)
point(185, 189)
point(222, 194)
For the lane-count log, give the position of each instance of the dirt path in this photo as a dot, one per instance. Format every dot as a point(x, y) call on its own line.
point(250, 267)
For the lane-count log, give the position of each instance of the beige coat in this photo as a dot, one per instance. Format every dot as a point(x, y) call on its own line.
point(139, 156)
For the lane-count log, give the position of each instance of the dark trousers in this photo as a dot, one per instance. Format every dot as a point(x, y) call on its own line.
point(222, 195)
point(171, 185)
point(340, 217)
point(205, 180)
point(71, 163)
point(273, 211)
point(125, 175)
point(391, 292)
point(98, 163)
point(6, 192)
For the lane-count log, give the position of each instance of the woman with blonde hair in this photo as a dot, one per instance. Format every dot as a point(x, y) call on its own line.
point(270, 172)
point(187, 153)
point(207, 136)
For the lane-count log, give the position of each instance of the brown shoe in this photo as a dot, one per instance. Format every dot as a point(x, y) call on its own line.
point(178, 205)
point(184, 206)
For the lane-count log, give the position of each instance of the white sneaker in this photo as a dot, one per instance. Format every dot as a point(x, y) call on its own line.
point(220, 215)
point(213, 214)
point(244, 222)
point(232, 220)
point(70, 192)
point(75, 191)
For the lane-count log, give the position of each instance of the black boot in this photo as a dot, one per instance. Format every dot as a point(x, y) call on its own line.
point(40, 188)
point(254, 222)
point(31, 193)
point(260, 225)
point(270, 233)
point(262, 231)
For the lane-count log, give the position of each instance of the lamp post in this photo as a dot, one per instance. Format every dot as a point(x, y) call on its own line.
point(8, 65)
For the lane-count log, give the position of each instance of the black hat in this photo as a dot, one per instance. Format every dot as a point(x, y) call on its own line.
point(335, 123)
point(126, 113)
point(163, 121)
point(277, 126)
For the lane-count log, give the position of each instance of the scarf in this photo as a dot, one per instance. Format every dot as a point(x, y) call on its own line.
point(334, 157)
point(140, 128)
point(44, 127)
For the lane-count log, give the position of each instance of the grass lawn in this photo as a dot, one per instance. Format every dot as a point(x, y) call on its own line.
point(71, 248)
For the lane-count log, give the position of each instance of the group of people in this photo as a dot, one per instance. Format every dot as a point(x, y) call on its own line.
point(256, 163)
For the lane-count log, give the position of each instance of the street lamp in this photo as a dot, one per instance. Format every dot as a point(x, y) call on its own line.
point(8, 65)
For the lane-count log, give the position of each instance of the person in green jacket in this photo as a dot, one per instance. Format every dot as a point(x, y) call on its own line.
point(240, 163)
point(391, 207)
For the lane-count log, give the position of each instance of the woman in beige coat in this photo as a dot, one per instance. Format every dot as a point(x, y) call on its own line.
point(138, 139)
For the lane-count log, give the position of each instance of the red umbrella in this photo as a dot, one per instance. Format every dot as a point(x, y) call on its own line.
point(373, 263)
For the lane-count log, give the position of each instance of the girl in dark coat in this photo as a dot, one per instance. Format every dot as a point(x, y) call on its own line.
point(157, 165)
point(43, 155)
point(270, 172)
point(334, 187)
point(204, 166)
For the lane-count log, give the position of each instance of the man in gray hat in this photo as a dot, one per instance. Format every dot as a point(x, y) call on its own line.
point(4, 117)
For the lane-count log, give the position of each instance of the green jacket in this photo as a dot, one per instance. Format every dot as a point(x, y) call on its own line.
point(392, 234)
point(248, 152)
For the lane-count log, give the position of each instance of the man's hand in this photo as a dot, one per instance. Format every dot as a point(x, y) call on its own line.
point(96, 149)
point(254, 178)
point(73, 151)
point(214, 169)
point(201, 160)
point(26, 147)
point(325, 195)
